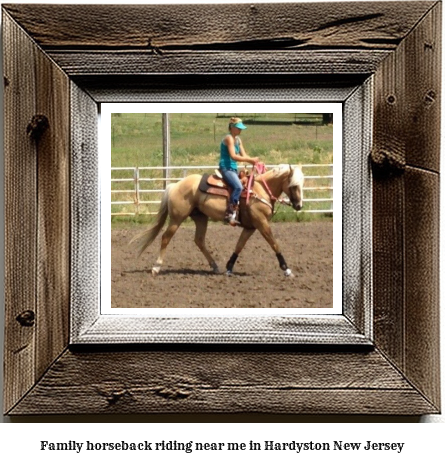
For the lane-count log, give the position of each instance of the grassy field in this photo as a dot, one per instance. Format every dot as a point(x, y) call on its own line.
point(195, 138)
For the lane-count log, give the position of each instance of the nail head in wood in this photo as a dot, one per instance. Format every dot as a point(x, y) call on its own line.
point(430, 97)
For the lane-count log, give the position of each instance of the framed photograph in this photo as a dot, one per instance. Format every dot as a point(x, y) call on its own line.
point(150, 151)
point(373, 348)
point(272, 296)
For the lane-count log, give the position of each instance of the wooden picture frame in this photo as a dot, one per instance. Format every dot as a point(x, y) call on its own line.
point(77, 56)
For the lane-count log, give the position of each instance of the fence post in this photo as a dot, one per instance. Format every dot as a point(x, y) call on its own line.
point(331, 184)
point(166, 146)
point(137, 187)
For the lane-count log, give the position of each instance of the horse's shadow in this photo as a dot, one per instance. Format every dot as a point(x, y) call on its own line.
point(183, 272)
point(188, 271)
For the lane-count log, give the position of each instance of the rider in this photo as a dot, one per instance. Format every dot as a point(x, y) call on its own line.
point(232, 151)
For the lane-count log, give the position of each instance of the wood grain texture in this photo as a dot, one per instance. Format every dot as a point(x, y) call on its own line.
point(20, 213)
point(423, 49)
point(388, 268)
point(406, 205)
point(388, 200)
point(85, 211)
point(303, 44)
point(219, 382)
point(164, 39)
point(129, 63)
point(160, 27)
point(217, 87)
point(407, 114)
point(37, 218)
point(422, 281)
point(406, 275)
point(53, 238)
point(106, 329)
point(357, 208)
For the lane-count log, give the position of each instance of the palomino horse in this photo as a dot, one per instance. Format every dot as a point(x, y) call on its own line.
point(184, 199)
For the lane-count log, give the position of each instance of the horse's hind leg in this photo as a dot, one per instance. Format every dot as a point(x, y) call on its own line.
point(201, 222)
point(166, 237)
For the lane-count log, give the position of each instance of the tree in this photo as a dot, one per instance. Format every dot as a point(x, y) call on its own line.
point(327, 118)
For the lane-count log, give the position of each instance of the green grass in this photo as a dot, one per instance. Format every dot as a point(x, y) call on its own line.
point(280, 216)
point(195, 139)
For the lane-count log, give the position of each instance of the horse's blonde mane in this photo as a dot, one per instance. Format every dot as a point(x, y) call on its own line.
point(297, 175)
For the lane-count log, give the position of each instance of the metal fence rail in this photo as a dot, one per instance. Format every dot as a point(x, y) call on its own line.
point(142, 187)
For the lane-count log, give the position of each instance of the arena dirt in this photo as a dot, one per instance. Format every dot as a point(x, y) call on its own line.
point(186, 281)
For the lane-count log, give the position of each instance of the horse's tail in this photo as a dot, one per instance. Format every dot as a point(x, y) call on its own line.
point(147, 237)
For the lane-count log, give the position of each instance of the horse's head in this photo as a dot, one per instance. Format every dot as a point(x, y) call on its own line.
point(294, 189)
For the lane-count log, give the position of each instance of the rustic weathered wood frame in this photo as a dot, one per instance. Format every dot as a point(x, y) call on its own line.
point(74, 54)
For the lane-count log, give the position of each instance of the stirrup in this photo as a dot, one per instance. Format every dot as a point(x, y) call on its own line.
point(232, 222)
point(230, 216)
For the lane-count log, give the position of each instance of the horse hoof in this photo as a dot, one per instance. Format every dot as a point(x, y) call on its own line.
point(288, 273)
point(155, 270)
point(216, 270)
point(229, 273)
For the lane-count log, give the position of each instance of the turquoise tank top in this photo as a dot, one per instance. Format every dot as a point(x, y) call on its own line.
point(226, 161)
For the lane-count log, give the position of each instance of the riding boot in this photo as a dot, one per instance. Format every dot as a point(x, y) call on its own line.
point(230, 215)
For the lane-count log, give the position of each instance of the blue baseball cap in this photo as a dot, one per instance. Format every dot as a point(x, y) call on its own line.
point(239, 125)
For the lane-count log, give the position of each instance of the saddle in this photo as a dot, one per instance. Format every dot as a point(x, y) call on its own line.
point(214, 184)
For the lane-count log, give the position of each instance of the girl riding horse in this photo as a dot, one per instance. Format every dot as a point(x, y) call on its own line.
point(184, 199)
point(231, 152)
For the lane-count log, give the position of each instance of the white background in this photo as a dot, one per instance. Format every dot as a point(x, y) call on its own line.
point(20, 438)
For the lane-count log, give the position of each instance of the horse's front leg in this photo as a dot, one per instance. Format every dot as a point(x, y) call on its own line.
point(266, 232)
point(244, 237)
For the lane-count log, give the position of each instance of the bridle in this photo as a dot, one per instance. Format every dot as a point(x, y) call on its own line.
point(291, 197)
point(261, 169)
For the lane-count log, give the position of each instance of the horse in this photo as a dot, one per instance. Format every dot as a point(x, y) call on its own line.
point(184, 199)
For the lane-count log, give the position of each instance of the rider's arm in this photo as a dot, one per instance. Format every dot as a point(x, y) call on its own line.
point(242, 157)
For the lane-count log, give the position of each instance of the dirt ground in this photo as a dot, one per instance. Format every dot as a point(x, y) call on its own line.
point(186, 280)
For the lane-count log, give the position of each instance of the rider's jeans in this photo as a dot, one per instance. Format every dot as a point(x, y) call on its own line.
point(232, 179)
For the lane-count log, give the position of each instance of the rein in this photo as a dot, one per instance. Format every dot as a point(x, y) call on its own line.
point(260, 168)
